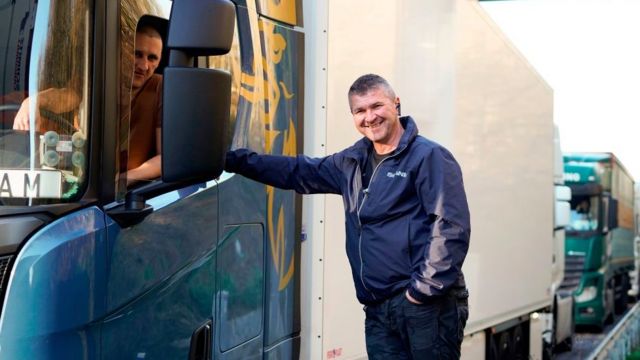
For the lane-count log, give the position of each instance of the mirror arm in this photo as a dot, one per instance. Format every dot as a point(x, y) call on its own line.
point(136, 198)
point(179, 58)
point(135, 208)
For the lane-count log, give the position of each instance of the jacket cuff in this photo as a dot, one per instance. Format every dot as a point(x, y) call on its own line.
point(229, 161)
point(233, 159)
point(418, 295)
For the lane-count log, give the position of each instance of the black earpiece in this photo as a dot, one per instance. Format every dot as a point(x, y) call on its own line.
point(398, 108)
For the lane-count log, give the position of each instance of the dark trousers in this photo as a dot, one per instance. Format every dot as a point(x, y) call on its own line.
point(398, 329)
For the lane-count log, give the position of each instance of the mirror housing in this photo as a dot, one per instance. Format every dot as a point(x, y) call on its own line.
point(612, 214)
point(202, 27)
point(562, 206)
point(195, 116)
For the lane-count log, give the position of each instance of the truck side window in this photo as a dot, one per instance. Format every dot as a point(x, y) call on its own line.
point(584, 213)
point(143, 55)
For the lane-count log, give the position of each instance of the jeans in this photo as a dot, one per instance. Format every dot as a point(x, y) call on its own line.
point(399, 329)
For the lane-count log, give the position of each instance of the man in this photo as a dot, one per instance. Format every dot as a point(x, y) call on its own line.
point(55, 100)
point(407, 223)
point(146, 107)
point(144, 162)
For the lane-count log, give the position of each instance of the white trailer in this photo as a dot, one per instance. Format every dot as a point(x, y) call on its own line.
point(469, 89)
point(559, 325)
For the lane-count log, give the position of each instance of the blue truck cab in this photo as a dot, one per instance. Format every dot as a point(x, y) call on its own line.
point(197, 264)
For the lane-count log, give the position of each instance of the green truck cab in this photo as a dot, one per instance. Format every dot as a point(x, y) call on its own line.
point(599, 239)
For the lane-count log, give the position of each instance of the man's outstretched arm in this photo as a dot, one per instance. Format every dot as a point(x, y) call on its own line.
point(303, 174)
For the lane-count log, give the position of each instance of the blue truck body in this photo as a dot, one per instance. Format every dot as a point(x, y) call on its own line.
point(203, 267)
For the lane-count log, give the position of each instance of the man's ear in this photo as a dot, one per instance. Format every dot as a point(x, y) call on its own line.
point(398, 109)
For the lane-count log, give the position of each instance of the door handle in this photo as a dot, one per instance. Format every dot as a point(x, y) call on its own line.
point(201, 342)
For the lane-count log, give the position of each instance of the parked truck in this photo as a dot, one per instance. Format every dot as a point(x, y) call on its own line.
point(559, 323)
point(204, 264)
point(469, 89)
point(600, 237)
point(195, 265)
point(634, 277)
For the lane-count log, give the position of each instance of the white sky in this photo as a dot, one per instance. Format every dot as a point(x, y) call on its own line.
point(589, 52)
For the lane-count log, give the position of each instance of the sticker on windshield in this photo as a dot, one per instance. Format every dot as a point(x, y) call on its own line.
point(30, 184)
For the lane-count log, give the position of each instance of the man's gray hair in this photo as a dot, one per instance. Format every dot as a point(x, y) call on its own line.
point(368, 82)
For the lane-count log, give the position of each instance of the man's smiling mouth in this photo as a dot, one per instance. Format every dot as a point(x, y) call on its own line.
point(373, 125)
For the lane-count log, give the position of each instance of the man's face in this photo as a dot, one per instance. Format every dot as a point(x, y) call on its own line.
point(375, 115)
point(147, 58)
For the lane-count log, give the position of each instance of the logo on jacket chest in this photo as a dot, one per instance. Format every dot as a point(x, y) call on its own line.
point(400, 173)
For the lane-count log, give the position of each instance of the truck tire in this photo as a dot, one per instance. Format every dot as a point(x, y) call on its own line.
point(609, 304)
point(621, 296)
point(519, 344)
point(499, 346)
point(492, 353)
point(505, 346)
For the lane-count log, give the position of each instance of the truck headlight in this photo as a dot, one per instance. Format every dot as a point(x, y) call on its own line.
point(588, 293)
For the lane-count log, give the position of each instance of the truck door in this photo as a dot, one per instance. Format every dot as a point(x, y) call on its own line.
point(165, 287)
point(258, 251)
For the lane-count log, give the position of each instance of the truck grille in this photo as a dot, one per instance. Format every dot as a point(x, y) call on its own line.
point(573, 269)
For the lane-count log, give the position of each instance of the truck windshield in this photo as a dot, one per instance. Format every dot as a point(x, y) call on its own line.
point(584, 213)
point(44, 96)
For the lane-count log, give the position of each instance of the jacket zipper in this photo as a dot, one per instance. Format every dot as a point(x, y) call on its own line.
point(364, 198)
point(366, 191)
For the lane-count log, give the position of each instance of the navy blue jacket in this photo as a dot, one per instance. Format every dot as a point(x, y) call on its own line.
point(408, 230)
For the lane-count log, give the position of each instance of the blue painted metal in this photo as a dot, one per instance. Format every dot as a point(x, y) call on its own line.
point(242, 240)
point(57, 292)
point(85, 288)
point(240, 279)
point(287, 349)
point(161, 279)
point(281, 48)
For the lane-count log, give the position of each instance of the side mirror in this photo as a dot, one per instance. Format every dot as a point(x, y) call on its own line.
point(202, 27)
point(195, 116)
point(612, 216)
point(562, 208)
point(196, 101)
point(196, 104)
